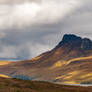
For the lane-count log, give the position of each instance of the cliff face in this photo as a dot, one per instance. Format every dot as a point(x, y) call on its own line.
point(70, 62)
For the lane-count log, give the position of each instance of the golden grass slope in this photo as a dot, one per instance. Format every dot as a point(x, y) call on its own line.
point(60, 63)
point(79, 59)
point(4, 76)
point(4, 62)
point(61, 70)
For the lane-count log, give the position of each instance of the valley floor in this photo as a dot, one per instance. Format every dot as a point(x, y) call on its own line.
point(17, 85)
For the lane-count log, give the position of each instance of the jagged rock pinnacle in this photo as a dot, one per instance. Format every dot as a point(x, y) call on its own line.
point(71, 40)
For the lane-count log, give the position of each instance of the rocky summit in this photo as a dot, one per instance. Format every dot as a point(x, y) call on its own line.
point(74, 41)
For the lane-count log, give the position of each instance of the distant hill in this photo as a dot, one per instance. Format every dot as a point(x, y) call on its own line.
point(70, 62)
point(10, 59)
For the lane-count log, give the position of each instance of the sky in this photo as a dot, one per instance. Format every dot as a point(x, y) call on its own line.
point(31, 27)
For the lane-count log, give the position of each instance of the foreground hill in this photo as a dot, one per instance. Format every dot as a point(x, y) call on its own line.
point(70, 62)
point(16, 85)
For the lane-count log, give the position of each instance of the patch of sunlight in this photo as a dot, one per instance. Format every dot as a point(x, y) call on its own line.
point(62, 76)
point(70, 82)
point(4, 62)
point(86, 75)
point(69, 75)
point(58, 64)
point(4, 76)
point(74, 73)
point(81, 58)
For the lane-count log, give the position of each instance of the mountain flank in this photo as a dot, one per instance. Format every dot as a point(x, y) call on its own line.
point(70, 62)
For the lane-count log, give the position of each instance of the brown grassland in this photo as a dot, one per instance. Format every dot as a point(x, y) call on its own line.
point(17, 85)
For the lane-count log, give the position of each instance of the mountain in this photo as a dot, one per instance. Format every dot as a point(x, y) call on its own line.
point(70, 62)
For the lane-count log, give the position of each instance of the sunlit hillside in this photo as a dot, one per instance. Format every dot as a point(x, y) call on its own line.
point(4, 62)
point(70, 62)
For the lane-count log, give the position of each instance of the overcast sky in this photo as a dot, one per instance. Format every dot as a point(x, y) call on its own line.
point(31, 27)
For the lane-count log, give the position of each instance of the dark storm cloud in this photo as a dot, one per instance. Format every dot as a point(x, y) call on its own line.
point(30, 27)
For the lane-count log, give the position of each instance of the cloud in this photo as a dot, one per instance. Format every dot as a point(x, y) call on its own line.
point(26, 13)
point(31, 27)
point(79, 22)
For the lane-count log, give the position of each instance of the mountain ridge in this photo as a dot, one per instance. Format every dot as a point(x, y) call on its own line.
point(66, 63)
